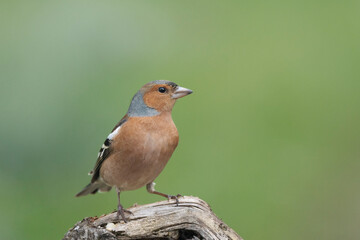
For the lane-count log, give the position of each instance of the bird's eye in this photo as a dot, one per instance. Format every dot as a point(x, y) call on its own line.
point(162, 89)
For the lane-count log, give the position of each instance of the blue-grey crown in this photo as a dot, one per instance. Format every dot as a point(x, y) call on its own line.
point(174, 85)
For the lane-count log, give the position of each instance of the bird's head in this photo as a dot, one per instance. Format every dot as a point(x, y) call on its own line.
point(156, 97)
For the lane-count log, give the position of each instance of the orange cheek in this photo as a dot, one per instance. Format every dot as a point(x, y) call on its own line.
point(161, 102)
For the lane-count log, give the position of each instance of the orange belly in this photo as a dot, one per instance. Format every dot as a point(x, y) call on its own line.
point(142, 155)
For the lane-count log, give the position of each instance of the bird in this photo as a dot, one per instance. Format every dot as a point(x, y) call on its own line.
point(140, 145)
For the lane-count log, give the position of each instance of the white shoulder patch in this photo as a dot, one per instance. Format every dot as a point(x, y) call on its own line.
point(114, 133)
point(107, 142)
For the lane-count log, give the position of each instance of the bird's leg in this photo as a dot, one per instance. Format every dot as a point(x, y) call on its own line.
point(150, 187)
point(120, 209)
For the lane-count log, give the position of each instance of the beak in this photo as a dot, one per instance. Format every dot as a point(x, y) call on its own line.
point(181, 92)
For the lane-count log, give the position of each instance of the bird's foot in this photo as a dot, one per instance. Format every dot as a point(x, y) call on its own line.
point(175, 197)
point(121, 211)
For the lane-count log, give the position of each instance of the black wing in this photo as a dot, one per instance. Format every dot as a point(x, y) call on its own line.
point(105, 150)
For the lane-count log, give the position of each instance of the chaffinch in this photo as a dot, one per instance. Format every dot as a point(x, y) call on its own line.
point(140, 145)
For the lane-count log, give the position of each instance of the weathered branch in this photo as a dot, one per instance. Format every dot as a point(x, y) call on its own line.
point(191, 219)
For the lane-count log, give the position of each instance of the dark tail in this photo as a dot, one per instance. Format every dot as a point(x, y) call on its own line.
point(94, 188)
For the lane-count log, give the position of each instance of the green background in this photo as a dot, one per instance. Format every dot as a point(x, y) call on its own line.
point(270, 137)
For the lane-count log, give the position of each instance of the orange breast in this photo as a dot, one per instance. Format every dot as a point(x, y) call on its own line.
point(140, 151)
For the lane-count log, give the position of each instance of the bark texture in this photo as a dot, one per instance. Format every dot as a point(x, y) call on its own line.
point(191, 219)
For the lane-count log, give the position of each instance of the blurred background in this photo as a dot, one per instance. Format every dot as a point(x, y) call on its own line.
point(270, 137)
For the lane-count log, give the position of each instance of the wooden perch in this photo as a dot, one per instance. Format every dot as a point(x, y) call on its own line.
point(191, 219)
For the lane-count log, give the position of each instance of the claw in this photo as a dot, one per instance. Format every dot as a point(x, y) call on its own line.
point(150, 187)
point(176, 198)
point(120, 213)
point(129, 212)
point(121, 210)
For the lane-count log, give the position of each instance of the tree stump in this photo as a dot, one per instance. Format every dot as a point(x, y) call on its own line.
point(191, 219)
